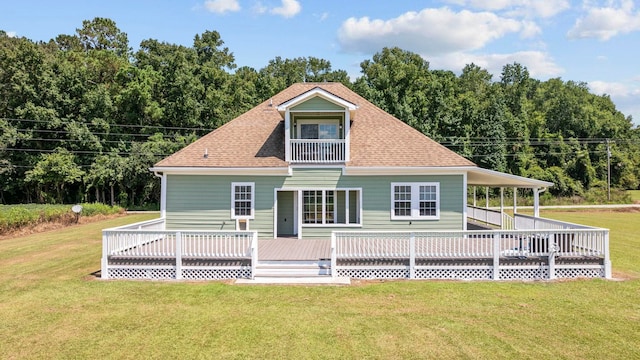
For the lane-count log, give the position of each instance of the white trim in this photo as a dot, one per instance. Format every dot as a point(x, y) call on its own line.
point(254, 171)
point(163, 196)
point(317, 91)
point(415, 201)
point(464, 202)
point(402, 170)
point(233, 201)
point(287, 136)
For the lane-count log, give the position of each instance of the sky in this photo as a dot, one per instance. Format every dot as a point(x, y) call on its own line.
point(596, 42)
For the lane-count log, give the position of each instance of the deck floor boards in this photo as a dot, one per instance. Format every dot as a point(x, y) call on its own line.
point(294, 249)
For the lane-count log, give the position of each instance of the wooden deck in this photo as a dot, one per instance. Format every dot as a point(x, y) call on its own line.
point(294, 249)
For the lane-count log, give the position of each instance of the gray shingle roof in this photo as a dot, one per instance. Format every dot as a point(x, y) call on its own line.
point(256, 138)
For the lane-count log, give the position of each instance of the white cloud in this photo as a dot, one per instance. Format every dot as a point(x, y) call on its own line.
point(289, 8)
point(626, 96)
point(430, 31)
point(221, 6)
point(539, 64)
point(11, 34)
point(519, 8)
point(603, 23)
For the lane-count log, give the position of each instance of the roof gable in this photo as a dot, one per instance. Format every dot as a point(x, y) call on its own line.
point(317, 92)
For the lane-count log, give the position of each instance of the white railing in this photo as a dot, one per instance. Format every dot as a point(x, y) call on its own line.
point(487, 216)
point(318, 151)
point(486, 244)
point(136, 242)
point(508, 223)
point(532, 222)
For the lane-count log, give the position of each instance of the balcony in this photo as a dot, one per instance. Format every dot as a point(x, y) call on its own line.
point(318, 151)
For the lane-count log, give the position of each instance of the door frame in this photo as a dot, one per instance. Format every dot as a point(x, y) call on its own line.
point(297, 230)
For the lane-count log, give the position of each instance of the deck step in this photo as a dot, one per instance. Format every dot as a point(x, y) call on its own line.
point(317, 280)
point(316, 268)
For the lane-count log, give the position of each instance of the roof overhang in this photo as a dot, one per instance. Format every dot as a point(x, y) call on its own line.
point(490, 178)
point(351, 107)
point(475, 176)
point(262, 171)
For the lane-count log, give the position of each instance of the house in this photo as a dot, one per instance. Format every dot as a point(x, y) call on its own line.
point(317, 162)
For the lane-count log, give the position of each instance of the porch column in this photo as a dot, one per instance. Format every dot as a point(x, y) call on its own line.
point(163, 196)
point(486, 196)
point(501, 207)
point(486, 204)
point(536, 202)
point(515, 201)
point(474, 196)
point(287, 136)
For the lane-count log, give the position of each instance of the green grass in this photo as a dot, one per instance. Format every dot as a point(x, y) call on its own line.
point(50, 307)
point(634, 194)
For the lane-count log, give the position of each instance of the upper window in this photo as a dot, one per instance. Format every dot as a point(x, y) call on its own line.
point(415, 201)
point(313, 129)
point(242, 200)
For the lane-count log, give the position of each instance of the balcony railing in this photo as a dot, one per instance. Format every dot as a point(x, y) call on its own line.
point(318, 151)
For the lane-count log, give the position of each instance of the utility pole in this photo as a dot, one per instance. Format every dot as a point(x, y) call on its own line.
point(608, 171)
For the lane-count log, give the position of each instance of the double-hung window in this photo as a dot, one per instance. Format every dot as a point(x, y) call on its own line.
point(242, 200)
point(415, 201)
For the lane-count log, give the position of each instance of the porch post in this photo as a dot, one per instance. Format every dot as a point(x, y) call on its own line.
point(104, 271)
point(552, 259)
point(163, 196)
point(412, 256)
point(334, 260)
point(536, 202)
point(474, 196)
point(486, 204)
point(287, 136)
point(496, 255)
point(515, 200)
point(501, 207)
point(178, 255)
point(607, 258)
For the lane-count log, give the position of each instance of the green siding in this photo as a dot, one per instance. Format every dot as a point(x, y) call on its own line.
point(317, 104)
point(204, 202)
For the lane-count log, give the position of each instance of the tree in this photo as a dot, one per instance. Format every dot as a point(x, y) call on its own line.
point(102, 34)
point(54, 170)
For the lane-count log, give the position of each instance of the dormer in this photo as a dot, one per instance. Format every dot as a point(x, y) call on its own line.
point(317, 127)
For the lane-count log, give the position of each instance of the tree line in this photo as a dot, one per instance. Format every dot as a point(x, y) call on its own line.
point(83, 116)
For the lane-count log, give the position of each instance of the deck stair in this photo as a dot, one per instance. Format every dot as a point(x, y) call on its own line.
point(293, 268)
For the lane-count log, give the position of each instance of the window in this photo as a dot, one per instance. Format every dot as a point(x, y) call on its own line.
point(242, 200)
point(415, 201)
point(340, 207)
point(320, 131)
point(318, 207)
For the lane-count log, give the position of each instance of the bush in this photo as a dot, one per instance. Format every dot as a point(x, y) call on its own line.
point(13, 217)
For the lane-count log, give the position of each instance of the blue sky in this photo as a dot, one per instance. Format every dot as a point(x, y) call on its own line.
point(597, 42)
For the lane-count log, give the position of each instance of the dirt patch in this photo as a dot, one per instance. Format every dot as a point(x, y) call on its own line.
point(55, 225)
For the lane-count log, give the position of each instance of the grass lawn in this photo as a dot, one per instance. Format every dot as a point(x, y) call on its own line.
point(51, 307)
point(635, 195)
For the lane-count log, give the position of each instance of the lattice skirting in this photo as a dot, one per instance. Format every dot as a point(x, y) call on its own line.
point(216, 274)
point(169, 273)
point(572, 273)
point(143, 273)
point(516, 273)
point(380, 273)
point(454, 274)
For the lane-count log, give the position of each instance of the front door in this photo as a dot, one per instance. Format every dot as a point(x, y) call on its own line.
point(286, 217)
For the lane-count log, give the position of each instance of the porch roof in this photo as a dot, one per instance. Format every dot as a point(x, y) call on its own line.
point(491, 178)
